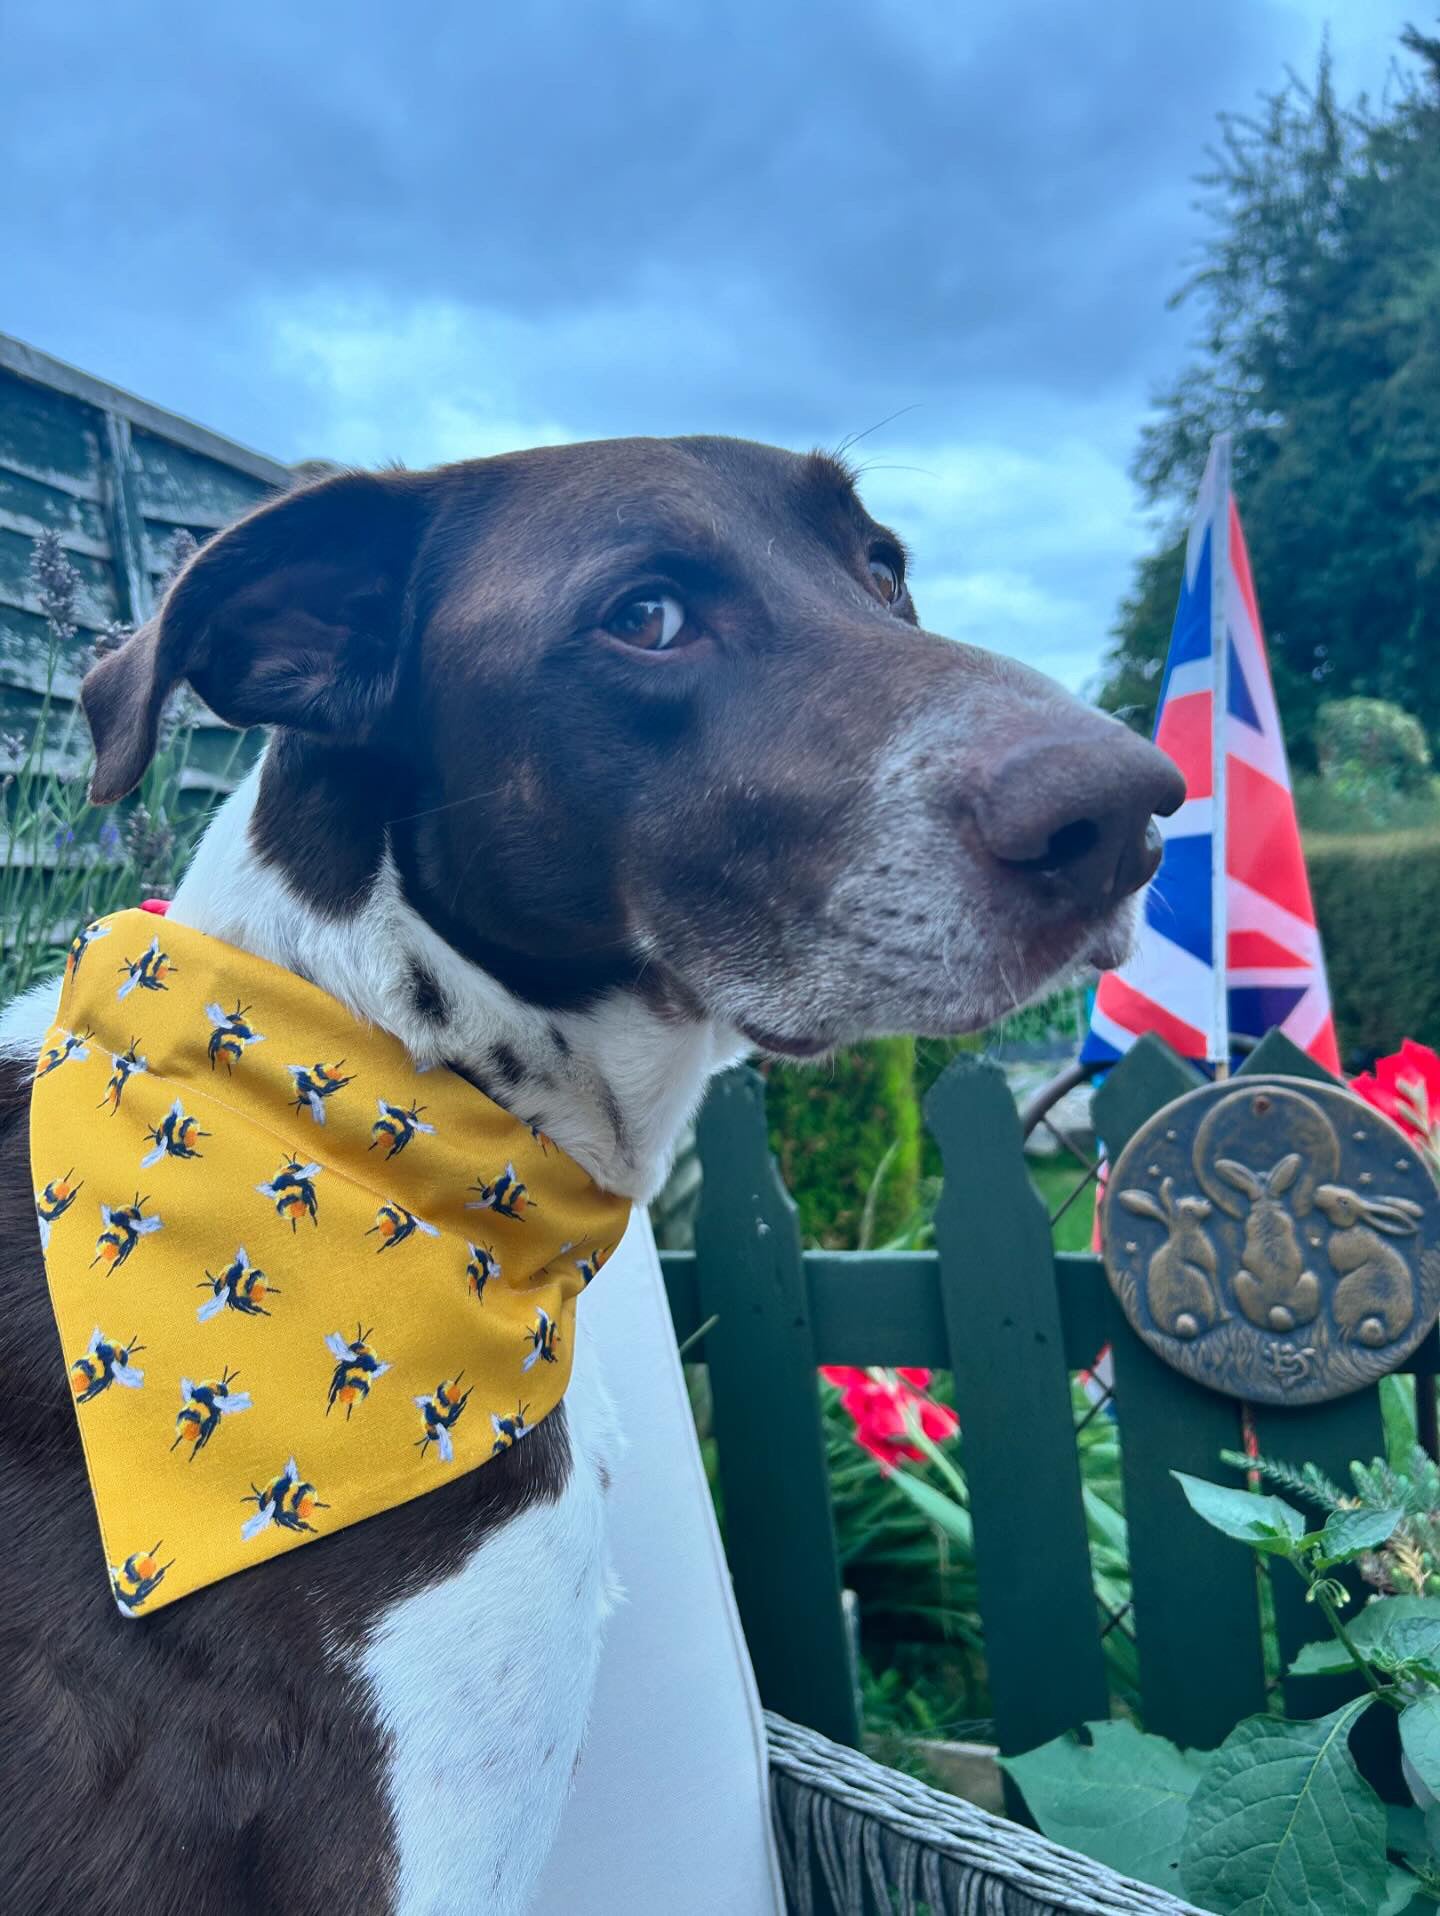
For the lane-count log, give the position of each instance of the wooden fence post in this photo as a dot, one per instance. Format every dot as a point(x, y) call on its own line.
point(779, 1527)
point(1012, 1388)
point(1332, 1436)
point(1196, 1598)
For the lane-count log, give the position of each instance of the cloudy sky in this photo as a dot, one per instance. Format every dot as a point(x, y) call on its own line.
point(424, 232)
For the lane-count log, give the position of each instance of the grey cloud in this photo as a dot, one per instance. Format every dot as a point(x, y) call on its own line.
point(968, 193)
point(423, 231)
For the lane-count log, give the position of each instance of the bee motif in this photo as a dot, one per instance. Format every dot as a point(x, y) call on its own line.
point(542, 1339)
point(542, 1138)
point(588, 1266)
point(356, 1368)
point(125, 1065)
point(53, 1202)
point(123, 1226)
point(292, 1190)
point(507, 1196)
point(230, 1033)
point(106, 1362)
point(239, 1287)
point(61, 1045)
point(80, 944)
point(286, 1500)
point(314, 1083)
point(480, 1266)
point(508, 1430)
point(137, 1579)
point(151, 971)
point(203, 1405)
point(441, 1412)
point(396, 1125)
point(175, 1136)
point(394, 1224)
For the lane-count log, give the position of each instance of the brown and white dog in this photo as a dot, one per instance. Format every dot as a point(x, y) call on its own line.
point(592, 768)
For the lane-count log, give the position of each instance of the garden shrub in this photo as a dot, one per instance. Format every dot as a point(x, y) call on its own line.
point(1371, 741)
point(1377, 901)
point(831, 1127)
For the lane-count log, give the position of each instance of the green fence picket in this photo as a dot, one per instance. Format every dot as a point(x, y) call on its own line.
point(1328, 1435)
point(1196, 1600)
point(1012, 1321)
point(780, 1533)
point(1012, 1390)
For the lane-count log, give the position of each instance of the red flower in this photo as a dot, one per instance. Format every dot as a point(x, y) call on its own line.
point(886, 1405)
point(1406, 1087)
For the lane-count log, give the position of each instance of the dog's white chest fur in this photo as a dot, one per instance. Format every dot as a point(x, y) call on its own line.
point(483, 1683)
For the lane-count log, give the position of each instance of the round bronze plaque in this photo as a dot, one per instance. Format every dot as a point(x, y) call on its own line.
point(1275, 1239)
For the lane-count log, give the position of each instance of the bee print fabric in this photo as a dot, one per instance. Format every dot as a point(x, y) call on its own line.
point(297, 1280)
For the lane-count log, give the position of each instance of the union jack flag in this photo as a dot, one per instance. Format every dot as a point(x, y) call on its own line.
point(1228, 948)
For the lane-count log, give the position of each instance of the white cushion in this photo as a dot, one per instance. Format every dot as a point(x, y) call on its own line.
point(671, 1804)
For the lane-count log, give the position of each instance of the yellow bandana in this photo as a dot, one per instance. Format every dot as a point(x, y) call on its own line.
point(297, 1280)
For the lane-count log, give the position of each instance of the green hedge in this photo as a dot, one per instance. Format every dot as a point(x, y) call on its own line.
point(830, 1127)
point(1377, 901)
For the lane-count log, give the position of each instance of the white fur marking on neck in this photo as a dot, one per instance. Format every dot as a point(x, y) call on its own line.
point(620, 1058)
point(482, 1685)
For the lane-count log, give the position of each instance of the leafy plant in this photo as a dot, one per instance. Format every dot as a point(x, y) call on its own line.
point(1316, 291)
point(62, 860)
point(1371, 751)
point(1408, 1560)
point(1279, 1820)
point(904, 1533)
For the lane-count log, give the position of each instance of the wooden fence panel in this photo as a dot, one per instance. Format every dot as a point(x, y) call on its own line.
point(116, 478)
point(1012, 1389)
point(1195, 1594)
point(1011, 1320)
point(779, 1529)
point(1329, 1435)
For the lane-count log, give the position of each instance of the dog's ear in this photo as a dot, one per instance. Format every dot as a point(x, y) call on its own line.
point(292, 617)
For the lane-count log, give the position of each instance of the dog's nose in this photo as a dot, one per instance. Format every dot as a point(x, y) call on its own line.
point(1077, 807)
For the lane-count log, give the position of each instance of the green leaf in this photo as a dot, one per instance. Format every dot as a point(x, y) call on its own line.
point(1405, 1835)
point(1395, 1630)
point(1389, 1632)
point(1109, 1549)
point(1401, 1889)
point(1283, 1824)
point(948, 1515)
point(1321, 1659)
point(1267, 1523)
point(1122, 1798)
point(1349, 1533)
point(1420, 1738)
point(1397, 1414)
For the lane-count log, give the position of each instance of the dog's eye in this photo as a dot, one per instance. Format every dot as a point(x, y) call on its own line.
point(650, 624)
point(887, 580)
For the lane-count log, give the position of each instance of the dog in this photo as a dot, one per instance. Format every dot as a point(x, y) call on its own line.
point(590, 770)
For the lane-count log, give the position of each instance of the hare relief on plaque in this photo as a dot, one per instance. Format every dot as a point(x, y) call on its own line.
point(1275, 1239)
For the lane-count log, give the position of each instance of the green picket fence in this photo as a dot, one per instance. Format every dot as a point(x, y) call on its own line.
point(1013, 1321)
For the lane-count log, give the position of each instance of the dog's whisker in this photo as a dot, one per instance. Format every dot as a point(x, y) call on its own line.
point(450, 805)
point(854, 438)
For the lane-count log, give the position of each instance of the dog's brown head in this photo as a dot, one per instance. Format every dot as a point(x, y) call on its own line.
point(654, 714)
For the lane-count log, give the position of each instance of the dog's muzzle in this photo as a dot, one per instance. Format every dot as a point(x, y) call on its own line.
point(1076, 809)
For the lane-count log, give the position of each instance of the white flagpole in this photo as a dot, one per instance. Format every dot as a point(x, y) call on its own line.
point(1219, 1045)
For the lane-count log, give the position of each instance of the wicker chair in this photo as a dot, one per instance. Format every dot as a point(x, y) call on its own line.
point(856, 1839)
